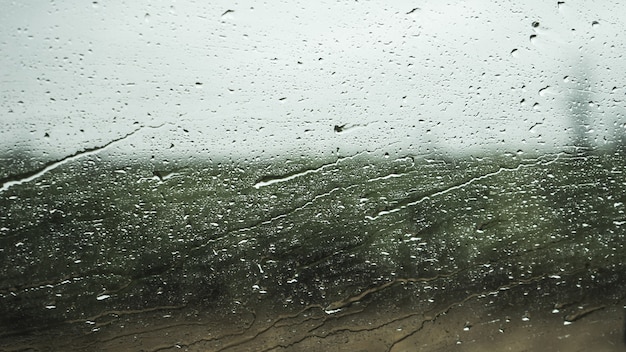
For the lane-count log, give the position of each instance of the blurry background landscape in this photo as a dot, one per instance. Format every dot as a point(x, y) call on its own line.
point(301, 176)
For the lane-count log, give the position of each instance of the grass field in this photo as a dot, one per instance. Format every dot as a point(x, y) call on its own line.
point(345, 249)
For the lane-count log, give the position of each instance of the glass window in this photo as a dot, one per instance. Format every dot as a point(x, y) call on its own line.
point(330, 175)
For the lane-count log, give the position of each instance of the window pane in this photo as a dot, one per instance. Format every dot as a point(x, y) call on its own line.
point(305, 175)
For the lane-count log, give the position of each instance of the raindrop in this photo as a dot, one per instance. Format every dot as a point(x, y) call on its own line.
point(535, 24)
point(595, 24)
point(413, 10)
point(102, 297)
point(227, 12)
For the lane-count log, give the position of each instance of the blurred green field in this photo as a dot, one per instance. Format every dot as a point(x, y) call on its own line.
point(98, 235)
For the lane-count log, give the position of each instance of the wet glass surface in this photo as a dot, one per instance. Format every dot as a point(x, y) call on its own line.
point(349, 176)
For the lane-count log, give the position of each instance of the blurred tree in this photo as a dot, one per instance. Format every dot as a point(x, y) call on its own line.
point(580, 98)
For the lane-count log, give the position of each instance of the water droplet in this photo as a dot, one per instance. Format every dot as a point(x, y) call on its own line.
point(595, 24)
point(514, 52)
point(535, 24)
point(102, 297)
point(533, 38)
point(413, 10)
point(227, 13)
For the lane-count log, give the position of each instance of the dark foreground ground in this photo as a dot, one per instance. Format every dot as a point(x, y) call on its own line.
point(348, 254)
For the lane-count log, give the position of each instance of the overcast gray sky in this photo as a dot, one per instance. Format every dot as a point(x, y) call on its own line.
point(261, 79)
